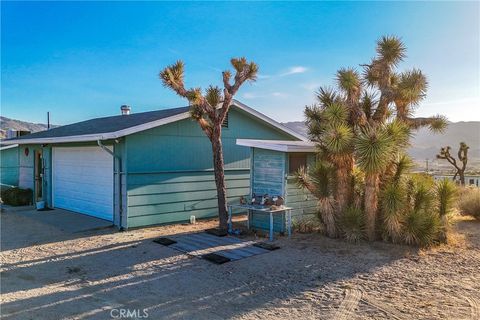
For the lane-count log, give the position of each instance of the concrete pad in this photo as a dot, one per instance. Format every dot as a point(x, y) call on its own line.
point(66, 221)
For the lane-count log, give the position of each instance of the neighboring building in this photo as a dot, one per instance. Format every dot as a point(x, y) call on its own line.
point(470, 180)
point(142, 168)
point(9, 165)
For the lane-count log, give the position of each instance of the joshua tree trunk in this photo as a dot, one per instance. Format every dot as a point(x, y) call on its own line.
point(371, 203)
point(344, 183)
point(218, 168)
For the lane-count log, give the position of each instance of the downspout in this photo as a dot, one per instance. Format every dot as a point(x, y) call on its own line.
point(119, 181)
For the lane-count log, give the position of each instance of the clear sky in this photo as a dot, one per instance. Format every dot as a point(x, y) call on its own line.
point(84, 60)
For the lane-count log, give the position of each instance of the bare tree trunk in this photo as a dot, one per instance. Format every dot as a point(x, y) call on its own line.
point(344, 183)
point(461, 174)
point(218, 168)
point(371, 203)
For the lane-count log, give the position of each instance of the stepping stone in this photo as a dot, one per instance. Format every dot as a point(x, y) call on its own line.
point(215, 258)
point(164, 241)
point(266, 246)
point(217, 232)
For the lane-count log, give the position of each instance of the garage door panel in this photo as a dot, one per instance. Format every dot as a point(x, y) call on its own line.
point(83, 181)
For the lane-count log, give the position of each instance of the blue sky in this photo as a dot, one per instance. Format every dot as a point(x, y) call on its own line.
point(84, 60)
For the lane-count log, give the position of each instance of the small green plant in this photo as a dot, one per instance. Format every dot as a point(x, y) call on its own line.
point(352, 224)
point(469, 202)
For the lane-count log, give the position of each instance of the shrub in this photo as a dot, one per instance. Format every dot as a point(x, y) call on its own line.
point(352, 224)
point(469, 202)
point(421, 228)
point(445, 190)
point(17, 196)
point(392, 202)
point(308, 224)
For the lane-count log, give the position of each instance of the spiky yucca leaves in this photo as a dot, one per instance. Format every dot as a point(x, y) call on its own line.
point(319, 182)
point(374, 151)
point(421, 227)
point(352, 224)
point(373, 147)
point(411, 88)
point(358, 184)
point(391, 50)
point(445, 191)
point(393, 205)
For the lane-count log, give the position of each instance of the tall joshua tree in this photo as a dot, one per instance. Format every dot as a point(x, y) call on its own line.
point(366, 123)
point(462, 157)
point(209, 109)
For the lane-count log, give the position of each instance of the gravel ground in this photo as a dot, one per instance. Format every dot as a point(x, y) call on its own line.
point(47, 273)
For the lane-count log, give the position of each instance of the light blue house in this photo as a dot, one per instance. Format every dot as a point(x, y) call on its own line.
point(142, 168)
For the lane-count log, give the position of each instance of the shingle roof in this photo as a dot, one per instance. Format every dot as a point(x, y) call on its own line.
point(105, 125)
point(122, 125)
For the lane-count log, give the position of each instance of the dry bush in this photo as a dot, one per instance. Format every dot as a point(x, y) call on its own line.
point(469, 202)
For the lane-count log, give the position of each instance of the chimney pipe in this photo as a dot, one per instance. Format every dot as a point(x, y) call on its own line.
point(125, 110)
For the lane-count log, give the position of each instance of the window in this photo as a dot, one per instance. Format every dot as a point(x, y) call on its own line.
point(295, 161)
point(471, 182)
point(225, 121)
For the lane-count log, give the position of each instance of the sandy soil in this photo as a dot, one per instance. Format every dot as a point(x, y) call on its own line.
point(49, 274)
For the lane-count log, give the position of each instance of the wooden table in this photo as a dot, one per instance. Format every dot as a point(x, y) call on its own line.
point(265, 209)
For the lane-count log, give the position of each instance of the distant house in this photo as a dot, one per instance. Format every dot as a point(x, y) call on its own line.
point(470, 180)
point(142, 168)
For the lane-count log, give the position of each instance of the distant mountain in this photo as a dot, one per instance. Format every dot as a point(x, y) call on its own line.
point(426, 144)
point(7, 123)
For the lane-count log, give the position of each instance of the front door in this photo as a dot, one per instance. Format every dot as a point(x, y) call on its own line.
point(38, 175)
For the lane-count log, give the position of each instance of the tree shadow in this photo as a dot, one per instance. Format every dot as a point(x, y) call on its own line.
point(140, 275)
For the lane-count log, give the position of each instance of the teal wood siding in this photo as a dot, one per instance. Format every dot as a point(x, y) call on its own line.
point(268, 172)
point(302, 201)
point(9, 166)
point(270, 177)
point(47, 177)
point(170, 173)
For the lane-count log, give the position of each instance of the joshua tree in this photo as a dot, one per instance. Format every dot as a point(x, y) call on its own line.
point(209, 109)
point(365, 124)
point(462, 157)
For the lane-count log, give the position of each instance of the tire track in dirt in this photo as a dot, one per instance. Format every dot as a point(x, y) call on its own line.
point(392, 313)
point(474, 308)
point(349, 303)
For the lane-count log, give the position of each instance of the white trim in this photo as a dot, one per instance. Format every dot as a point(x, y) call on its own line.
point(8, 147)
point(279, 145)
point(269, 120)
point(150, 125)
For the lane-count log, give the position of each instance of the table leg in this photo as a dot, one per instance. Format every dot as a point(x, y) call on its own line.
point(289, 217)
point(271, 226)
point(230, 220)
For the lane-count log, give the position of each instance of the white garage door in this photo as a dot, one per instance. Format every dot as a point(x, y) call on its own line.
point(83, 181)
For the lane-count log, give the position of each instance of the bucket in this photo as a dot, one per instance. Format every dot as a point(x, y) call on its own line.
point(40, 205)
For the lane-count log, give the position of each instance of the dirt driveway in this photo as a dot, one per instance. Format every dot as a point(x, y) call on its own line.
point(48, 273)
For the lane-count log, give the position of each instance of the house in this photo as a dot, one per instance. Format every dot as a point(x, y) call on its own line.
point(141, 169)
point(470, 179)
point(272, 169)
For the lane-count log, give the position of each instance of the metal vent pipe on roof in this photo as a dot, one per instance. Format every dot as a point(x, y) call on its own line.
point(125, 110)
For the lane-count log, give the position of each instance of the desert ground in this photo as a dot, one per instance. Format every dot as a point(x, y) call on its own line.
point(48, 272)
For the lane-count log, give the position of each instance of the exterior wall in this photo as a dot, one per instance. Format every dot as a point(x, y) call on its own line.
point(26, 167)
point(270, 177)
point(9, 166)
point(170, 174)
point(302, 201)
